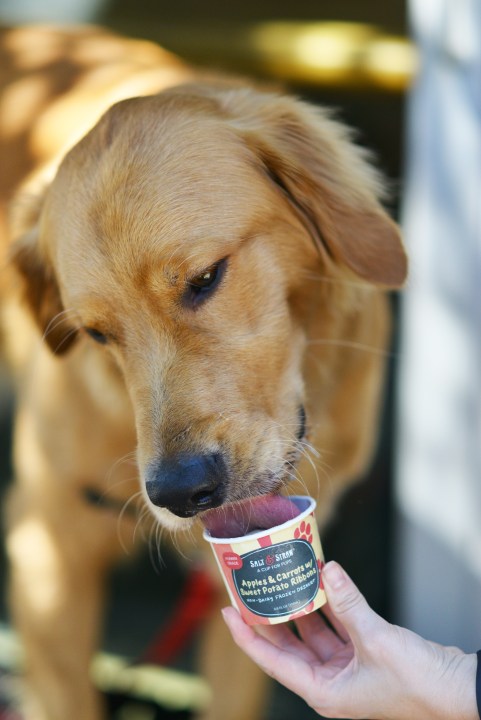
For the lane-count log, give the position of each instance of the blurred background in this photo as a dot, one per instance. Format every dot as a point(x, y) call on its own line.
point(408, 79)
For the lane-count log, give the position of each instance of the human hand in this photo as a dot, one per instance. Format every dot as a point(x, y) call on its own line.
point(367, 668)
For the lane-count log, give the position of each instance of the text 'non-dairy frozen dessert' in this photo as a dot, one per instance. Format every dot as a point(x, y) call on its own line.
point(270, 556)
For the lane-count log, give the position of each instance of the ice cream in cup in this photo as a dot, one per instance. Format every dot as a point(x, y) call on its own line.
point(271, 562)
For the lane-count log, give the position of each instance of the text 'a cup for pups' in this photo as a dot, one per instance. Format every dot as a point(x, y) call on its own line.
point(274, 575)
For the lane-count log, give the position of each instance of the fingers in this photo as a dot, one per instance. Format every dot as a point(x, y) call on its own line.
point(318, 636)
point(283, 638)
point(338, 626)
point(286, 667)
point(347, 604)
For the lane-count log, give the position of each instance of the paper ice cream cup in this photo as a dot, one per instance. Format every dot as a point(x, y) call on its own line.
point(274, 575)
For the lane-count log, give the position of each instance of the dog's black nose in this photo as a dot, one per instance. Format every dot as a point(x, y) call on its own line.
point(187, 484)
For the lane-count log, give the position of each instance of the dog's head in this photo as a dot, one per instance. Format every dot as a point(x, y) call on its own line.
point(180, 235)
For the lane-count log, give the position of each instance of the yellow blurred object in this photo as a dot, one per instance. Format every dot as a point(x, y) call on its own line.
point(392, 62)
point(312, 52)
point(336, 54)
point(171, 689)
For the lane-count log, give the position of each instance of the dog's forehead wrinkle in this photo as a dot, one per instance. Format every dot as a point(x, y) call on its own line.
point(171, 219)
point(175, 183)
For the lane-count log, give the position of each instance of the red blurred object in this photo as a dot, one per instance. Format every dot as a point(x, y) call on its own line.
point(9, 714)
point(194, 605)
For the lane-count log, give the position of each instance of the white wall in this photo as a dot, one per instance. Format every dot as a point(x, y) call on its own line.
point(439, 451)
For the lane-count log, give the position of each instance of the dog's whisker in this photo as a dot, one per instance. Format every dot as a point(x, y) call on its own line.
point(116, 485)
point(140, 504)
point(51, 326)
point(314, 463)
point(153, 530)
point(76, 329)
point(297, 479)
point(173, 535)
point(142, 525)
point(158, 536)
point(148, 520)
point(189, 534)
point(325, 469)
point(119, 520)
point(283, 469)
point(275, 424)
point(275, 473)
point(37, 358)
point(137, 524)
point(303, 451)
point(69, 314)
point(130, 456)
point(307, 446)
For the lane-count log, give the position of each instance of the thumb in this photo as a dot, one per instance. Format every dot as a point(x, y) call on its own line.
point(347, 604)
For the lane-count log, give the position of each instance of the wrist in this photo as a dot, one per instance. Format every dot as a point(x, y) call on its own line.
point(466, 707)
point(459, 696)
point(449, 693)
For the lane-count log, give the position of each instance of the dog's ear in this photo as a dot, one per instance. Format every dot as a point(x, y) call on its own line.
point(41, 292)
point(326, 178)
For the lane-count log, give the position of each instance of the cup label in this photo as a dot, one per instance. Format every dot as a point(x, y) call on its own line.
point(278, 580)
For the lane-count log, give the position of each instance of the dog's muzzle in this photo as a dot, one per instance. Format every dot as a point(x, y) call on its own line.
point(187, 484)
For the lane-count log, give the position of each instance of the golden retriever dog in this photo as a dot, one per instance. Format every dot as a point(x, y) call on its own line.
point(197, 283)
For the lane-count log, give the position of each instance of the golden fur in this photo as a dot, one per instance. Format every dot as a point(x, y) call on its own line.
point(163, 187)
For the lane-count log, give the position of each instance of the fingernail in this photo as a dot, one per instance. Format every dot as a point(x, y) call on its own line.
point(224, 614)
point(333, 575)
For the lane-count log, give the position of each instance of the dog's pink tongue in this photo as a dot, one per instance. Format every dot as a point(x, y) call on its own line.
point(258, 513)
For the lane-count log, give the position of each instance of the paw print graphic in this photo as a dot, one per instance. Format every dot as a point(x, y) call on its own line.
point(304, 533)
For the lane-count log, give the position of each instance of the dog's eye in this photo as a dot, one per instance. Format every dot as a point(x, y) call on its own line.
point(96, 335)
point(203, 285)
point(206, 279)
